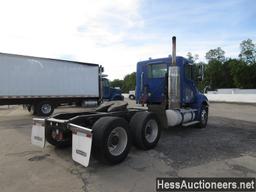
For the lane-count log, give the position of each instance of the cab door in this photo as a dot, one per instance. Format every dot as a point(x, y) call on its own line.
point(106, 89)
point(189, 89)
point(156, 82)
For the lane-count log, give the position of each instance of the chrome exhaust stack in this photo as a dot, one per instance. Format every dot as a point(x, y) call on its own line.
point(173, 80)
point(173, 50)
point(173, 112)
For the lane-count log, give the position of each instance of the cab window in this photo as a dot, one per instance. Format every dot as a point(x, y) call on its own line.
point(105, 83)
point(157, 70)
point(189, 71)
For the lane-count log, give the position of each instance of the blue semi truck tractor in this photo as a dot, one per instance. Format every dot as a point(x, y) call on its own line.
point(166, 86)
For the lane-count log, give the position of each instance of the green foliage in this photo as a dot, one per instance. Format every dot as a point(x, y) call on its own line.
point(117, 83)
point(244, 75)
point(192, 58)
point(127, 84)
point(199, 83)
point(215, 54)
point(248, 51)
point(227, 77)
point(232, 73)
point(214, 74)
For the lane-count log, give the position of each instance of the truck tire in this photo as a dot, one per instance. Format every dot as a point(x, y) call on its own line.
point(44, 108)
point(31, 109)
point(66, 142)
point(111, 140)
point(203, 117)
point(131, 97)
point(146, 130)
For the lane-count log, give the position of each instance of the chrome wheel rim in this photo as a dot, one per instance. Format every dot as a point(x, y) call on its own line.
point(117, 141)
point(204, 116)
point(46, 108)
point(151, 131)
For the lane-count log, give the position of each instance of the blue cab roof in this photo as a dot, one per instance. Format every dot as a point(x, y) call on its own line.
point(179, 60)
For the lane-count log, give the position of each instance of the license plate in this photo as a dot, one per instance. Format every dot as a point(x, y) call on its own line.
point(38, 133)
point(81, 144)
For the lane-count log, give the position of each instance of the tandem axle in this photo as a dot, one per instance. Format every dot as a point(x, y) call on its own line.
point(107, 135)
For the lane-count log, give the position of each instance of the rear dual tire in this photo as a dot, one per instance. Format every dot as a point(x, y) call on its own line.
point(112, 136)
point(111, 140)
point(146, 130)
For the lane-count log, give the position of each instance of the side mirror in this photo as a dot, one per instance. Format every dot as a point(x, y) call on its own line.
point(101, 69)
point(200, 76)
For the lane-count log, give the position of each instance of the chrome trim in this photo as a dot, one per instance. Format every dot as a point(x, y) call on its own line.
point(141, 82)
point(173, 50)
point(77, 128)
point(57, 120)
point(173, 80)
point(39, 121)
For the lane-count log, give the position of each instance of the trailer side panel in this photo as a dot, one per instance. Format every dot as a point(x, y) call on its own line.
point(30, 77)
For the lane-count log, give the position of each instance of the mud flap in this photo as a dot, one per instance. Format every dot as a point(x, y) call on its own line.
point(38, 132)
point(81, 144)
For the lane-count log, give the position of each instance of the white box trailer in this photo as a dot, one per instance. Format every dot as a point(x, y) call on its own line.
point(43, 83)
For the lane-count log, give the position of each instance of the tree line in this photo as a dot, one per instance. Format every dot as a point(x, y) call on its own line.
point(126, 84)
point(219, 70)
point(223, 72)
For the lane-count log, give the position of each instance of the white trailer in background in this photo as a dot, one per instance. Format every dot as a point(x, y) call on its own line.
point(42, 84)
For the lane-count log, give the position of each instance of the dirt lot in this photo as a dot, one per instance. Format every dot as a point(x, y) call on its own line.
point(227, 147)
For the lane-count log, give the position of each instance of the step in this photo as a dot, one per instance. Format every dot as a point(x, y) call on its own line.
point(190, 123)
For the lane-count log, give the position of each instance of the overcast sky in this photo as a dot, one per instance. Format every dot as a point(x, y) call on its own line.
point(118, 33)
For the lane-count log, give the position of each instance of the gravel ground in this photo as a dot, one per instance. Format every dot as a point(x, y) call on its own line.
point(227, 147)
